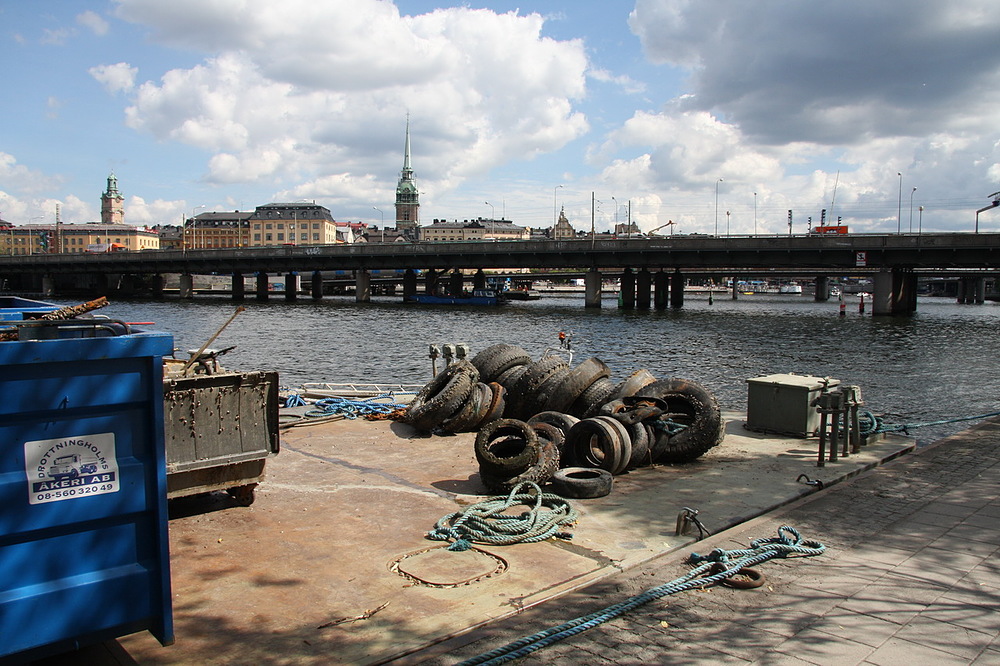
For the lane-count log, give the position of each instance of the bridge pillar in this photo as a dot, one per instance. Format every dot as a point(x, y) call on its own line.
point(409, 283)
point(677, 289)
point(643, 282)
point(156, 286)
point(262, 286)
point(479, 280)
point(316, 288)
point(185, 285)
point(456, 281)
point(894, 292)
point(362, 286)
point(735, 288)
point(430, 282)
point(626, 293)
point(238, 287)
point(661, 289)
point(48, 285)
point(592, 286)
point(291, 286)
point(822, 289)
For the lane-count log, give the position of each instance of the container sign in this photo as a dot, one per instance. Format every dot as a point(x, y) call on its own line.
point(70, 467)
point(860, 258)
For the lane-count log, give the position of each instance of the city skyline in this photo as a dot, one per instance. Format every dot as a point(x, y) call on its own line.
point(719, 117)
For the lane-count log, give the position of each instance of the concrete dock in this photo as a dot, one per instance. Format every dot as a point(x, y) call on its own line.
point(330, 564)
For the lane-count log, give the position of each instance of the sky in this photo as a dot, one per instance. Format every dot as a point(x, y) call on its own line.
point(709, 116)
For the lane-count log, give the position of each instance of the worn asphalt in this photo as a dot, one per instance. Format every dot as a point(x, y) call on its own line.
point(910, 576)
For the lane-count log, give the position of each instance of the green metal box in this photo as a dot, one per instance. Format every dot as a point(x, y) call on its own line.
point(782, 403)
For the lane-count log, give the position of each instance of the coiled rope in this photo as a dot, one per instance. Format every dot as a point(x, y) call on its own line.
point(352, 409)
point(870, 424)
point(485, 523)
point(787, 543)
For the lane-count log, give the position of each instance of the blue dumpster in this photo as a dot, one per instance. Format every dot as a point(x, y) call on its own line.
point(83, 511)
point(14, 308)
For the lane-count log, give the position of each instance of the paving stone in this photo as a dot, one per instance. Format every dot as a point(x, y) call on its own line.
point(898, 652)
point(865, 629)
point(944, 636)
point(819, 647)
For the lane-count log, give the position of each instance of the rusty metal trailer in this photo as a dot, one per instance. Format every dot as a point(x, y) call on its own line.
point(219, 431)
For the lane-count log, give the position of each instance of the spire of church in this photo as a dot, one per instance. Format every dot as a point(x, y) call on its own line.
point(407, 197)
point(112, 203)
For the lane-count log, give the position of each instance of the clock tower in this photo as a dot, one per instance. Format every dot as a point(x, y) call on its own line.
point(112, 203)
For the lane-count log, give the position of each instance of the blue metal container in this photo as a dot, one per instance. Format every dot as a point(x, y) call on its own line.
point(13, 308)
point(83, 512)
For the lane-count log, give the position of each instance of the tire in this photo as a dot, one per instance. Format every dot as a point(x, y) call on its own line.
point(582, 482)
point(599, 442)
point(510, 376)
point(496, 405)
point(632, 384)
point(691, 405)
point(506, 447)
point(537, 401)
point(540, 472)
point(471, 412)
point(443, 396)
point(577, 380)
point(493, 361)
point(639, 436)
point(562, 421)
point(534, 376)
point(591, 400)
point(551, 442)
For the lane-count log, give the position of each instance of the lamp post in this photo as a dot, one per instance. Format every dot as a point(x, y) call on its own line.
point(911, 209)
point(616, 213)
point(899, 204)
point(555, 211)
point(717, 206)
point(754, 213)
point(194, 225)
point(920, 220)
point(727, 223)
point(493, 217)
point(376, 208)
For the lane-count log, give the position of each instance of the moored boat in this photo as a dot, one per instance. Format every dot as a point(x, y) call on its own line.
point(477, 297)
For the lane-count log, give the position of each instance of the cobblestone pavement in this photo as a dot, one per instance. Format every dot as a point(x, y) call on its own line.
point(910, 576)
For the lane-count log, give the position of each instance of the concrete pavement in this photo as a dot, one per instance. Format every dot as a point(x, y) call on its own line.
point(911, 576)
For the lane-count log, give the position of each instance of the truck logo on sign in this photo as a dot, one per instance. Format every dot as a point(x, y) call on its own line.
point(71, 467)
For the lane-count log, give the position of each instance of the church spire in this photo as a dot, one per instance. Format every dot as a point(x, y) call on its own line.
point(407, 197)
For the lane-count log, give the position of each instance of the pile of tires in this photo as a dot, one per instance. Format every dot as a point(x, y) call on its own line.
point(455, 400)
point(511, 452)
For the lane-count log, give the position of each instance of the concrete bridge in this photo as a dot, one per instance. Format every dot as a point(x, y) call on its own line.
point(653, 270)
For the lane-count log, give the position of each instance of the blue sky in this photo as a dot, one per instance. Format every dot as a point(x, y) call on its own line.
point(658, 104)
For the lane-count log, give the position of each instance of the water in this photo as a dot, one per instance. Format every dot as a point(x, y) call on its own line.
point(938, 364)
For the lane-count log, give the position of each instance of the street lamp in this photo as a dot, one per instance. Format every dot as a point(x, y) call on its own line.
point(493, 217)
point(899, 204)
point(717, 206)
point(555, 212)
point(727, 223)
point(754, 213)
point(911, 209)
point(616, 214)
point(376, 208)
point(920, 221)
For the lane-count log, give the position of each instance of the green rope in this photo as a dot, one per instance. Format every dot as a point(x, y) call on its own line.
point(870, 424)
point(788, 543)
point(486, 523)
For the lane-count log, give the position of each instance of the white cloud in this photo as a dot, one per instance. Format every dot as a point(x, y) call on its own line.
point(305, 90)
point(93, 22)
point(115, 78)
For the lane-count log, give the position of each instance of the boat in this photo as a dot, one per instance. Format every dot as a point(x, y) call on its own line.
point(522, 295)
point(477, 297)
point(790, 288)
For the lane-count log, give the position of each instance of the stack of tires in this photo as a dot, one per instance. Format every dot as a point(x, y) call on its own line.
point(455, 400)
point(543, 421)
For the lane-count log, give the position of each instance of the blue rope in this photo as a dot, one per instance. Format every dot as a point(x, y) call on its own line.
point(870, 424)
point(294, 400)
point(486, 523)
point(352, 409)
point(787, 543)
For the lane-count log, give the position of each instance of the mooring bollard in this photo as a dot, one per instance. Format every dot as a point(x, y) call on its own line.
point(852, 404)
point(830, 406)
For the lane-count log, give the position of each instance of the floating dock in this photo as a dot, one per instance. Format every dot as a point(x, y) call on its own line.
point(330, 564)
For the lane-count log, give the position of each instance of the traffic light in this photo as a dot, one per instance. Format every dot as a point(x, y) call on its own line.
point(43, 240)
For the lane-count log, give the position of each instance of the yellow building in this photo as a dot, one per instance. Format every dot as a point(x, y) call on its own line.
point(292, 224)
point(476, 230)
point(70, 238)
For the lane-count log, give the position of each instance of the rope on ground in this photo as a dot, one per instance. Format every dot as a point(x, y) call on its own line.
point(485, 522)
point(353, 408)
point(870, 424)
point(787, 543)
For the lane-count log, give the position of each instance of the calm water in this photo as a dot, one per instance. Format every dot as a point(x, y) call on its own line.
point(935, 365)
